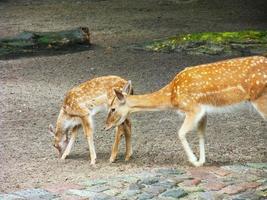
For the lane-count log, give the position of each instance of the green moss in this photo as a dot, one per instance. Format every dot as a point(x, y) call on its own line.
point(208, 42)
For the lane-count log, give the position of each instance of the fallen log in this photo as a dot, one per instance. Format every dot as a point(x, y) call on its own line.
point(35, 42)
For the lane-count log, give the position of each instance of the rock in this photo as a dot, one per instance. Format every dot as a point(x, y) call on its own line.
point(175, 193)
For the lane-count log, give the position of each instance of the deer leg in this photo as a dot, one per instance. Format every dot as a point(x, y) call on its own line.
point(115, 146)
point(201, 129)
point(128, 136)
point(74, 132)
point(261, 104)
point(189, 123)
point(88, 131)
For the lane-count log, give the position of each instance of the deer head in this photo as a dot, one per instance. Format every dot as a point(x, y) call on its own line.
point(119, 109)
point(60, 139)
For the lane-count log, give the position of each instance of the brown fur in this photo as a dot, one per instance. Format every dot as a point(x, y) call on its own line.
point(80, 104)
point(199, 88)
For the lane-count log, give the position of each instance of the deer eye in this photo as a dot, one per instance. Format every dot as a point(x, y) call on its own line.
point(112, 109)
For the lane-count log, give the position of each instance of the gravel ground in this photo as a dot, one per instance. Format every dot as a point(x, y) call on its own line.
point(32, 88)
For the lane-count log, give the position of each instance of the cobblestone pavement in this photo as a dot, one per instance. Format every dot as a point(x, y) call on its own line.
point(237, 182)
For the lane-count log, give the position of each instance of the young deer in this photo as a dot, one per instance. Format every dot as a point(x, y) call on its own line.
point(80, 105)
point(199, 90)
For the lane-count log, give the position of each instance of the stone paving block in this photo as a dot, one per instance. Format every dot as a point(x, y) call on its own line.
point(62, 187)
point(221, 172)
point(103, 196)
point(155, 190)
point(81, 193)
point(70, 197)
point(179, 179)
point(202, 173)
point(98, 188)
point(145, 196)
point(130, 179)
point(136, 186)
point(117, 184)
point(167, 184)
point(170, 171)
point(233, 189)
point(193, 182)
point(240, 169)
point(10, 197)
point(149, 180)
point(175, 193)
point(94, 182)
point(35, 194)
point(262, 194)
point(129, 194)
point(112, 192)
point(257, 165)
point(192, 189)
point(212, 196)
point(250, 195)
point(250, 185)
point(214, 186)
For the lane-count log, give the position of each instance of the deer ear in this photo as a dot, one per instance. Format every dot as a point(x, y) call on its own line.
point(127, 87)
point(51, 130)
point(119, 95)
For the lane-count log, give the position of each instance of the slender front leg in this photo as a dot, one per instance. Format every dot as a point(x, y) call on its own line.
point(188, 125)
point(74, 132)
point(201, 129)
point(128, 136)
point(115, 147)
point(88, 131)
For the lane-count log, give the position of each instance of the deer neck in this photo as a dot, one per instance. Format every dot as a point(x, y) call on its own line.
point(156, 101)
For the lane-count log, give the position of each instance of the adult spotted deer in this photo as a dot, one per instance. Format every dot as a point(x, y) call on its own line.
point(80, 105)
point(197, 91)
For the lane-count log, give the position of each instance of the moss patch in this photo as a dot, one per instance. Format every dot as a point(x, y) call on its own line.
point(212, 43)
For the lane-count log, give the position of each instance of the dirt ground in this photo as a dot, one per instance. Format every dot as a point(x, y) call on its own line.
point(32, 89)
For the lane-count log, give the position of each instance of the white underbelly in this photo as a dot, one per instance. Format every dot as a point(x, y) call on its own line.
point(225, 109)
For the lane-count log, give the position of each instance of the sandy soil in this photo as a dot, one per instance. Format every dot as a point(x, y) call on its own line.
point(32, 89)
